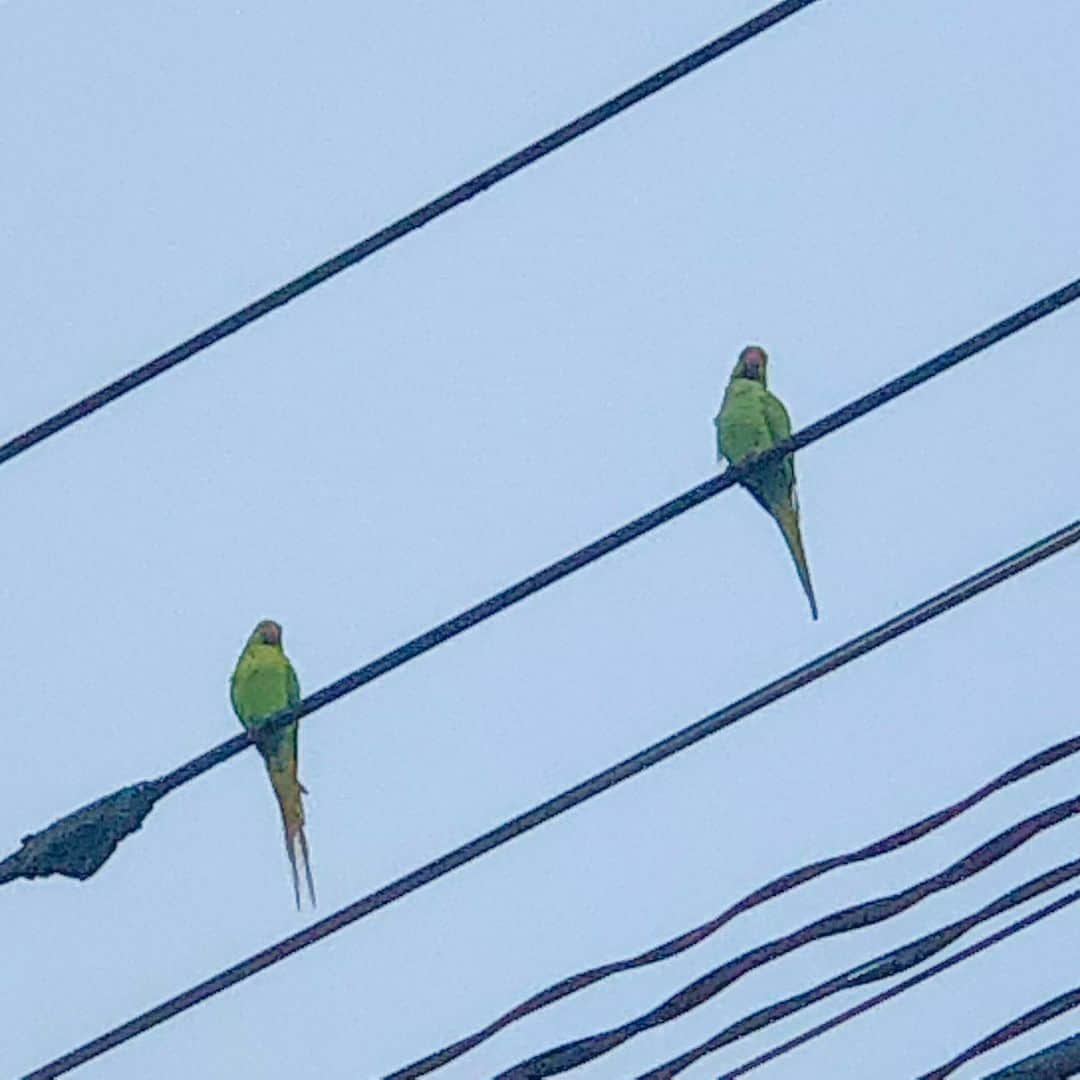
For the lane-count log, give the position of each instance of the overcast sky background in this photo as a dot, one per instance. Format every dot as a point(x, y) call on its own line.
point(857, 189)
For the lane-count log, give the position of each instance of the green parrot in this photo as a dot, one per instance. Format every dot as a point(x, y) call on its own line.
point(264, 683)
point(750, 421)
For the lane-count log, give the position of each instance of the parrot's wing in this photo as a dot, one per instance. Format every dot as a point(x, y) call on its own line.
point(292, 684)
point(292, 689)
point(234, 691)
point(776, 417)
point(292, 692)
point(779, 424)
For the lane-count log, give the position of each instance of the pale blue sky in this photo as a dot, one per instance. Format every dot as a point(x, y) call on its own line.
point(857, 189)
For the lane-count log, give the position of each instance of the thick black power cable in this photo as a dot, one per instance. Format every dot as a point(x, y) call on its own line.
point(782, 884)
point(1031, 1019)
point(885, 966)
point(571, 1055)
point(1053, 1063)
point(906, 984)
point(137, 801)
point(587, 789)
point(402, 227)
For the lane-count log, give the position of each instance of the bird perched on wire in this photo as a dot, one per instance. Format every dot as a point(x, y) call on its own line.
point(752, 420)
point(264, 684)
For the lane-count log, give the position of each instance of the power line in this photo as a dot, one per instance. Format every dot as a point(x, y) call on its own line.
point(402, 227)
point(147, 793)
point(383, 238)
point(885, 966)
point(579, 793)
point(1057, 1061)
point(1033, 1018)
point(899, 988)
point(617, 538)
point(782, 884)
point(704, 988)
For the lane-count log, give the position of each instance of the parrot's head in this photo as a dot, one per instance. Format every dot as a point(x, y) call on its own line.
point(267, 632)
point(752, 363)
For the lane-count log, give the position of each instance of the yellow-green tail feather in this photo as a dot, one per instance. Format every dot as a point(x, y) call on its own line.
point(289, 793)
point(787, 517)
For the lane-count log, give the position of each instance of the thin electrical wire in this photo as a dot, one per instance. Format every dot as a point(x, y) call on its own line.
point(906, 984)
point(617, 538)
point(579, 793)
point(402, 227)
point(782, 884)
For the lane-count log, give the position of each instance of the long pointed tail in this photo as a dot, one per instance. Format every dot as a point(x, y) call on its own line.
point(787, 517)
point(289, 796)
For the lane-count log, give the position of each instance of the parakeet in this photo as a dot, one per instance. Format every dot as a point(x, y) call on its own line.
point(264, 683)
point(752, 420)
